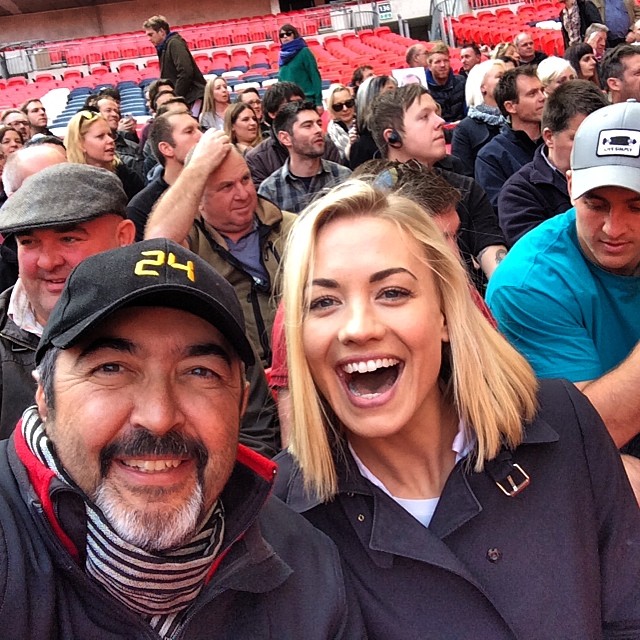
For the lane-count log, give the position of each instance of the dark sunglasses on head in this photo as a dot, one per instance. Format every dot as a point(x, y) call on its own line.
point(284, 34)
point(347, 104)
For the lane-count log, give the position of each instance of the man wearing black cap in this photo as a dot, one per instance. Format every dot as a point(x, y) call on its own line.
point(127, 508)
point(61, 216)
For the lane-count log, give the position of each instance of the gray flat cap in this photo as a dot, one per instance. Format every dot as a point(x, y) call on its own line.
point(63, 194)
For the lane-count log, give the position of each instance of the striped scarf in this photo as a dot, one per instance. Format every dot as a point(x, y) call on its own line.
point(158, 586)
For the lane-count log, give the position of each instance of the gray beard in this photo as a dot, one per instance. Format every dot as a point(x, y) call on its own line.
point(152, 530)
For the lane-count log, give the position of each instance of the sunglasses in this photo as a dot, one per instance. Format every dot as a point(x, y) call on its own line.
point(347, 104)
point(285, 34)
point(87, 114)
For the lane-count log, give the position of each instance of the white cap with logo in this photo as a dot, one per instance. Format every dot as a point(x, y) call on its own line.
point(606, 150)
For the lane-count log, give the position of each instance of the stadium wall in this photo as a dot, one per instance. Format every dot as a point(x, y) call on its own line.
point(121, 17)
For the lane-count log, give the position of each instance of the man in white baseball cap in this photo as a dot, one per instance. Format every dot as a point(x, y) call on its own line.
point(568, 294)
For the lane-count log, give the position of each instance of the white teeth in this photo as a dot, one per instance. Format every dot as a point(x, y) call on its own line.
point(152, 465)
point(365, 366)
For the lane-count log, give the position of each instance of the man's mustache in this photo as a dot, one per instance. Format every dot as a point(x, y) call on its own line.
point(142, 443)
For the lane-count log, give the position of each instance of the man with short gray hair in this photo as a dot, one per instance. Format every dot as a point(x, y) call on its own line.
point(28, 161)
point(21, 164)
point(526, 49)
point(213, 208)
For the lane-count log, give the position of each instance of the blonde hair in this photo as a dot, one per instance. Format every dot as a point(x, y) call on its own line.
point(475, 80)
point(333, 89)
point(550, 68)
point(501, 50)
point(77, 130)
point(437, 46)
point(209, 103)
point(487, 381)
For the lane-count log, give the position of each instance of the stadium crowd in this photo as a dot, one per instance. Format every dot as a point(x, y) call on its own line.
point(409, 312)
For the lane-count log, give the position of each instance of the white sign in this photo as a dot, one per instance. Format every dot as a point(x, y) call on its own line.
point(414, 75)
point(619, 142)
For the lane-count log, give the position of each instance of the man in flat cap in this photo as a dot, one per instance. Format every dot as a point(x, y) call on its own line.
point(59, 217)
point(127, 508)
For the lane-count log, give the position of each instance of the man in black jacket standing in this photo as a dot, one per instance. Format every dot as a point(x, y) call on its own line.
point(176, 62)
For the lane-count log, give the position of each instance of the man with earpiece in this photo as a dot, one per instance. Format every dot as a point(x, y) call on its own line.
point(406, 127)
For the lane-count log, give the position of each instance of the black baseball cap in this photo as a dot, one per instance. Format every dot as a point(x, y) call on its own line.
point(155, 272)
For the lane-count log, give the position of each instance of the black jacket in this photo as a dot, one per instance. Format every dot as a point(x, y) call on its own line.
point(500, 158)
point(17, 362)
point(533, 194)
point(468, 138)
point(140, 205)
point(538, 57)
point(363, 149)
point(275, 577)
point(450, 96)
point(177, 64)
point(560, 560)
point(479, 226)
point(8, 262)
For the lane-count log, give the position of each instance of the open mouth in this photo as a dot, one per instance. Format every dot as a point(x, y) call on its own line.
point(369, 379)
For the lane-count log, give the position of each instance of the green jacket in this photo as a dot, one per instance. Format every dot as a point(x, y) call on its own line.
point(303, 70)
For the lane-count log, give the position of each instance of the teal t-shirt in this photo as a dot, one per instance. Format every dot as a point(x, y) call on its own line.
point(567, 316)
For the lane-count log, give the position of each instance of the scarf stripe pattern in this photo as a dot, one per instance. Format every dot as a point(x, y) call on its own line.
point(158, 586)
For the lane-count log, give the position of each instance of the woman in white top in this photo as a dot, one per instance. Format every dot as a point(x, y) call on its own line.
point(467, 500)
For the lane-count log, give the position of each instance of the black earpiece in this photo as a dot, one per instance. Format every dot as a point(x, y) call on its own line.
point(395, 139)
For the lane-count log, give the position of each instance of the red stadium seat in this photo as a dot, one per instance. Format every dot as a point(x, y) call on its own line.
point(203, 61)
point(75, 57)
point(93, 56)
point(220, 61)
point(204, 41)
point(257, 32)
point(127, 66)
point(129, 50)
point(45, 77)
point(72, 74)
point(146, 49)
point(16, 81)
point(111, 52)
point(240, 34)
point(221, 37)
point(99, 71)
